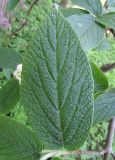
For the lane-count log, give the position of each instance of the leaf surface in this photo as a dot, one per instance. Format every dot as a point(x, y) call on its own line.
point(9, 58)
point(93, 6)
point(57, 86)
point(104, 107)
point(9, 95)
point(90, 33)
point(108, 19)
point(100, 81)
point(12, 4)
point(17, 142)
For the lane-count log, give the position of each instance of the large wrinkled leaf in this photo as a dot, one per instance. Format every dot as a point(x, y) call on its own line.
point(9, 58)
point(17, 142)
point(9, 95)
point(104, 108)
point(12, 4)
point(57, 85)
point(89, 32)
point(93, 6)
point(100, 81)
point(108, 19)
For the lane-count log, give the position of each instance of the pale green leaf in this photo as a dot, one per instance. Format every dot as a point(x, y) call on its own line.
point(103, 46)
point(111, 3)
point(12, 4)
point(72, 11)
point(93, 6)
point(9, 95)
point(104, 108)
point(57, 86)
point(17, 142)
point(100, 81)
point(108, 19)
point(9, 58)
point(90, 33)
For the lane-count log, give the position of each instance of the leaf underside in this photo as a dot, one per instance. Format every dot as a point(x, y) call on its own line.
point(57, 85)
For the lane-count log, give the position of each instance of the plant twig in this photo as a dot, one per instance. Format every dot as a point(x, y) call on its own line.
point(109, 140)
point(28, 13)
point(64, 3)
point(108, 67)
point(49, 154)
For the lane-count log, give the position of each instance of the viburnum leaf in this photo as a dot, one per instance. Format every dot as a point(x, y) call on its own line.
point(104, 108)
point(9, 58)
point(17, 142)
point(57, 86)
point(90, 33)
point(93, 6)
point(100, 80)
point(12, 4)
point(9, 95)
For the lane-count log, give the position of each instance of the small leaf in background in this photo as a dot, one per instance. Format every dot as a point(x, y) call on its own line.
point(90, 33)
point(93, 6)
point(12, 4)
point(9, 95)
point(72, 11)
point(17, 142)
point(111, 3)
point(107, 19)
point(104, 107)
point(104, 45)
point(57, 86)
point(100, 81)
point(9, 58)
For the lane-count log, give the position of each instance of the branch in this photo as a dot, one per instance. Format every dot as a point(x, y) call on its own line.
point(109, 141)
point(64, 3)
point(108, 67)
point(49, 154)
point(28, 13)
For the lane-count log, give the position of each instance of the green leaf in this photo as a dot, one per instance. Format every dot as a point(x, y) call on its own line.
point(103, 46)
point(93, 6)
point(100, 81)
point(72, 11)
point(104, 108)
point(108, 19)
point(9, 95)
point(57, 86)
point(111, 3)
point(17, 142)
point(9, 58)
point(90, 33)
point(12, 4)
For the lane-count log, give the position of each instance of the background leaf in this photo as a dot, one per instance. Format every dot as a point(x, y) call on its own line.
point(9, 95)
point(17, 142)
point(103, 46)
point(111, 3)
point(104, 107)
point(57, 86)
point(108, 19)
point(93, 6)
point(9, 58)
point(90, 33)
point(73, 11)
point(12, 4)
point(100, 81)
